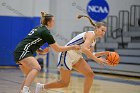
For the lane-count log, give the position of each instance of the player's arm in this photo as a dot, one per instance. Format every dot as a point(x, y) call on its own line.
point(103, 53)
point(44, 51)
point(59, 48)
point(50, 40)
point(91, 48)
point(85, 48)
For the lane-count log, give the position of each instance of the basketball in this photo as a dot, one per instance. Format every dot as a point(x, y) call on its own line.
point(113, 58)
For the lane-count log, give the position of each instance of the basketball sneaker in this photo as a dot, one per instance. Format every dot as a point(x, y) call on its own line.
point(39, 88)
point(25, 90)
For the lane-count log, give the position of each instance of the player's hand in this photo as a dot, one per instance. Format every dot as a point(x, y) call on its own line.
point(76, 47)
point(107, 53)
point(42, 52)
point(102, 61)
point(39, 51)
point(46, 50)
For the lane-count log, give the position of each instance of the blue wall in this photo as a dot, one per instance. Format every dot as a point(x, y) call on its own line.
point(12, 31)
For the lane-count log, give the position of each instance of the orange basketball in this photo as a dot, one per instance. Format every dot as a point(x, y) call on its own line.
point(113, 58)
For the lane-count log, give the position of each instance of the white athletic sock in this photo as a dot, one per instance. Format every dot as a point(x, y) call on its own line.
point(25, 89)
point(42, 86)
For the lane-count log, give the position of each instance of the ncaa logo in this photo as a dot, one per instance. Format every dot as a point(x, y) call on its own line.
point(98, 9)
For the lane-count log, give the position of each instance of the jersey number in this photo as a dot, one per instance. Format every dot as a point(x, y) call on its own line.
point(32, 32)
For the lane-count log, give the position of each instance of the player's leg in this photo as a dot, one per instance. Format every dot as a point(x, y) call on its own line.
point(63, 82)
point(83, 67)
point(25, 70)
point(33, 66)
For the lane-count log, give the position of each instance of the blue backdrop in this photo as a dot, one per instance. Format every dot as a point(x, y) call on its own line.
point(12, 31)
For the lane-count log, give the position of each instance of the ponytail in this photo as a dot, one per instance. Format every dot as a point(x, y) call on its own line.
point(96, 25)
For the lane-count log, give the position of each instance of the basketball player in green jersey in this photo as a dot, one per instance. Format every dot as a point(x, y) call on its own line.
point(24, 51)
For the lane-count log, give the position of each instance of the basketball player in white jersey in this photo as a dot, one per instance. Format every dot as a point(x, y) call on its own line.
point(73, 59)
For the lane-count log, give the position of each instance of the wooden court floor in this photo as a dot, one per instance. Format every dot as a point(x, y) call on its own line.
point(10, 81)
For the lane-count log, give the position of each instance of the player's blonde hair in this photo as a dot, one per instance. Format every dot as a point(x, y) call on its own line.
point(96, 25)
point(45, 18)
point(99, 24)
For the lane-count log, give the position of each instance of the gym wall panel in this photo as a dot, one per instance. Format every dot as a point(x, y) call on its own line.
point(13, 32)
point(17, 18)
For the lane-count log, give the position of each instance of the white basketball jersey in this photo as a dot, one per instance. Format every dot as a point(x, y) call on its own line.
point(79, 40)
point(67, 59)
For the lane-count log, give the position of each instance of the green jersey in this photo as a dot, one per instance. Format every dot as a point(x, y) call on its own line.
point(36, 38)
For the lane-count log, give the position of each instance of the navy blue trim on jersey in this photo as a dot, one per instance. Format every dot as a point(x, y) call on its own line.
point(80, 43)
point(65, 61)
point(76, 41)
point(60, 59)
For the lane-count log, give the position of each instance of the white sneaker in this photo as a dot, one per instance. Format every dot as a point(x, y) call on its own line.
point(26, 91)
point(39, 88)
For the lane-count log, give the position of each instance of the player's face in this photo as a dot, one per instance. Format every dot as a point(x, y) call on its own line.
point(101, 31)
point(51, 23)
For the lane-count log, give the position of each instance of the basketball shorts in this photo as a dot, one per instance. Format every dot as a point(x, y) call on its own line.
point(67, 59)
point(19, 55)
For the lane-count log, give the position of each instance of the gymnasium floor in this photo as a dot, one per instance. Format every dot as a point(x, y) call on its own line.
point(10, 81)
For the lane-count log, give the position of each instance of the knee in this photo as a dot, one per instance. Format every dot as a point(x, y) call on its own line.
point(38, 68)
point(64, 83)
point(89, 75)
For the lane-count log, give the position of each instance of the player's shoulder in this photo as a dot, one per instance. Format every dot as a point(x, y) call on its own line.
point(90, 33)
point(41, 28)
